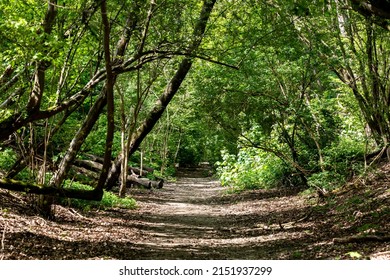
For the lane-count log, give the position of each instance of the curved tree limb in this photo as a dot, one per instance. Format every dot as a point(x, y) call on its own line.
point(169, 92)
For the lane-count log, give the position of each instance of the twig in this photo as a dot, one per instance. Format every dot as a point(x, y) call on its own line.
point(378, 156)
point(44, 222)
point(71, 211)
point(75, 213)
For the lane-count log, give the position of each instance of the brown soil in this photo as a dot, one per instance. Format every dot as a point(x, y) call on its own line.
point(194, 218)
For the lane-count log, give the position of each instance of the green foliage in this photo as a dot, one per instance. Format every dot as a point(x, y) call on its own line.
point(108, 201)
point(96, 140)
point(327, 180)
point(292, 109)
point(7, 158)
point(296, 255)
point(342, 159)
point(354, 255)
point(286, 103)
point(250, 169)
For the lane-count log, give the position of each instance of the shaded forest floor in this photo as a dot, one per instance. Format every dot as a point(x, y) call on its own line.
point(194, 218)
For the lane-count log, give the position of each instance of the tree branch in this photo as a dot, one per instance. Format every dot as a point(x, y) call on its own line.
point(169, 92)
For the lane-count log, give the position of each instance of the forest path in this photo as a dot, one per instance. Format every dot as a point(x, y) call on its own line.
point(194, 218)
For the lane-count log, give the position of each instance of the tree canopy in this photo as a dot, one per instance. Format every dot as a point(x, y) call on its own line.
point(272, 92)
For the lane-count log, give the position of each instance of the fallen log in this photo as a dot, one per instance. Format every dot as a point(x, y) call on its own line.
point(148, 169)
point(94, 158)
point(89, 168)
point(85, 171)
point(138, 171)
point(100, 160)
point(19, 186)
point(89, 164)
point(96, 162)
point(133, 180)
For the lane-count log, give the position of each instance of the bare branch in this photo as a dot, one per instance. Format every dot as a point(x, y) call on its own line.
point(147, 24)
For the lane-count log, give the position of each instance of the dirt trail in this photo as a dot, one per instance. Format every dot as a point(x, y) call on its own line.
point(191, 218)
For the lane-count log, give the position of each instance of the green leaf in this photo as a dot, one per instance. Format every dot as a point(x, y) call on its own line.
point(354, 255)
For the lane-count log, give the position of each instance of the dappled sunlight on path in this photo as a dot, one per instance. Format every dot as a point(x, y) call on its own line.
point(195, 212)
point(191, 218)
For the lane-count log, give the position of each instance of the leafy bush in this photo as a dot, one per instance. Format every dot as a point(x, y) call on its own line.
point(250, 169)
point(109, 199)
point(342, 160)
point(327, 180)
point(7, 158)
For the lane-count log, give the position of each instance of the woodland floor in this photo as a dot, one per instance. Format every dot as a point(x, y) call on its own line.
point(194, 218)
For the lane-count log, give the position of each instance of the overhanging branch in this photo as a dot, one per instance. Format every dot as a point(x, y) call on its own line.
point(186, 54)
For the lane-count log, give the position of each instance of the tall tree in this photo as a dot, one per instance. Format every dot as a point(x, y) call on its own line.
point(169, 92)
point(74, 87)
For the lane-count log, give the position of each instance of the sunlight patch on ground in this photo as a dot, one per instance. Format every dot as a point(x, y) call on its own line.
point(239, 241)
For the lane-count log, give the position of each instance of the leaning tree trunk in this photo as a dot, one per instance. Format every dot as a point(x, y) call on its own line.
point(97, 108)
point(34, 102)
point(169, 92)
point(78, 140)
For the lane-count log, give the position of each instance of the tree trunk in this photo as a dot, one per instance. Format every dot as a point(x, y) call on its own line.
point(110, 81)
point(170, 91)
point(95, 161)
point(35, 99)
point(122, 188)
point(92, 169)
point(97, 108)
point(78, 140)
point(91, 174)
point(89, 164)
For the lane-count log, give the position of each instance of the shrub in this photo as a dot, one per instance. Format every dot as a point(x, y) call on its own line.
point(342, 159)
point(7, 158)
point(250, 169)
point(109, 200)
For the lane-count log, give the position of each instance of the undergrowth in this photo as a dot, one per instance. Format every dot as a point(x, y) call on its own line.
point(252, 168)
point(109, 200)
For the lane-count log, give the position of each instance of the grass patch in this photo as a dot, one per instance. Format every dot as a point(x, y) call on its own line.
point(109, 200)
